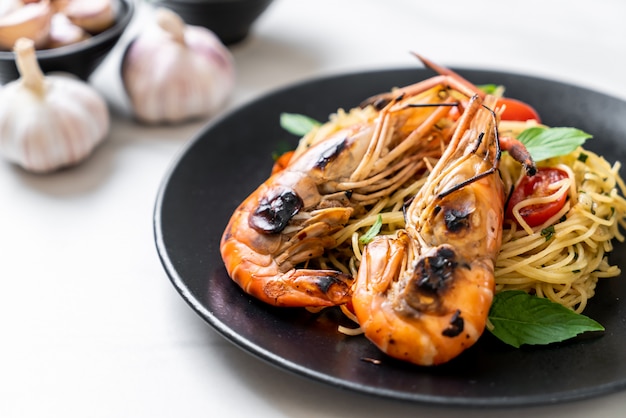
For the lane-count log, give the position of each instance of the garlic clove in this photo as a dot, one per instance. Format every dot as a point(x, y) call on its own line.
point(59, 5)
point(63, 32)
point(173, 72)
point(9, 6)
point(48, 122)
point(30, 21)
point(94, 16)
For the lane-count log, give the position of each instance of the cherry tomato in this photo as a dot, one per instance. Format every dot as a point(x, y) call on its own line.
point(537, 186)
point(517, 110)
point(282, 162)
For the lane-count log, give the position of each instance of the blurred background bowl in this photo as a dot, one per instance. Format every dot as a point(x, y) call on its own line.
point(230, 20)
point(80, 59)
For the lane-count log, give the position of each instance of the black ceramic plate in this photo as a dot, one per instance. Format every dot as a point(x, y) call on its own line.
point(234, 154)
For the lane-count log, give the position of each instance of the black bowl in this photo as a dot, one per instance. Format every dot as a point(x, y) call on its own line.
point(81, 58)
point(230, 20)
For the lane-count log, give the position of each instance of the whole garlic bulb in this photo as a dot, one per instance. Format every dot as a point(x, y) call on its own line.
point(48, 122)
point(173, 72)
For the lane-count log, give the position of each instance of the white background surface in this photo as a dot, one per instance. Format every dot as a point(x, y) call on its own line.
point(90, 326)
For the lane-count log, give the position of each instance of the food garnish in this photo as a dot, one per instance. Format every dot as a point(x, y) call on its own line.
point(297, 124)
point(372, 232)
point(544, 143)
point(518, 318)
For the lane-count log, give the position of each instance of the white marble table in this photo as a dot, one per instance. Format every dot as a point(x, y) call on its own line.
point(90, 325)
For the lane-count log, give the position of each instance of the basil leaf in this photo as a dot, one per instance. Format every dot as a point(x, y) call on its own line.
point(548, 232)
point(372, 232)
point(281, 148)
point(491, 88)
point(296, 124)
point(518, 318)
point(544, 143)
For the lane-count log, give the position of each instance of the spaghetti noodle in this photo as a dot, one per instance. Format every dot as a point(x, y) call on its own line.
point(563, 258)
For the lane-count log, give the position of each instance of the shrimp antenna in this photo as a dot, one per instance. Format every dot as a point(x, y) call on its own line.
point(432, 104)
point(439, 69)
point(435, 67)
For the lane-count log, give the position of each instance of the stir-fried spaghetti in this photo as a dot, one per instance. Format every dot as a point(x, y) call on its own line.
point(561, 259)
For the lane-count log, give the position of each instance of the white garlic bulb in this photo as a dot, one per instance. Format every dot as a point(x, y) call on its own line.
point(174, 72)
point(48, 122)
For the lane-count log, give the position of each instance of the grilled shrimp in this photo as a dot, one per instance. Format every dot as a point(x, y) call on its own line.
point(291, 217)
point(423, 295)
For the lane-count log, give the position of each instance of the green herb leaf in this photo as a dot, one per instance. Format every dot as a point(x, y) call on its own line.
point(518, 318)
point(548, 232)
point(491, 88)
point(296, 124)
point(281, 148)
point(372, 232)
point(544, 143)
